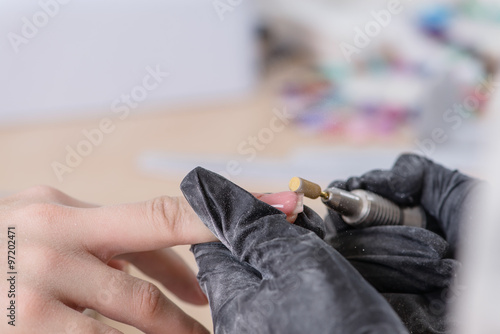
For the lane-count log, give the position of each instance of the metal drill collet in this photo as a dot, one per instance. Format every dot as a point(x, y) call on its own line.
point(360, 208)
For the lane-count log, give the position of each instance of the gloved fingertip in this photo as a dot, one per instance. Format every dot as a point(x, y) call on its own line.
point(355, 183)
point(409, 165)
point(338, 223)
point(221, 204)
point(341, 184)
point(408, 156)
point(311, 221)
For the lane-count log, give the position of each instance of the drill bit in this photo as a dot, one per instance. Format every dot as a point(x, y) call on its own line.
point(308, 188)
point(360, 208)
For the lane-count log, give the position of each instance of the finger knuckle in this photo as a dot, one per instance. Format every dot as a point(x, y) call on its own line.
point(52, 259)
point(162, 213)
point(36, 307)
point(147, 298)
point(43, 260)
point(43, 213)
point(108, 331)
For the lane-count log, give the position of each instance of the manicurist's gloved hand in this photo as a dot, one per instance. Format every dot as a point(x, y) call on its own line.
point(270, 276)
point(412, 267)
point(445, 195)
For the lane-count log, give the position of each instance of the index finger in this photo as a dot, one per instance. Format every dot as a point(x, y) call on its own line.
point(159, 223)
point(135, 227)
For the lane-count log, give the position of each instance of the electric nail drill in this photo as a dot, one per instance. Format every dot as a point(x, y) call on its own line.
point(360, 208)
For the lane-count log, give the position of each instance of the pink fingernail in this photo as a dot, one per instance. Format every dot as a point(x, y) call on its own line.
point(299, 207)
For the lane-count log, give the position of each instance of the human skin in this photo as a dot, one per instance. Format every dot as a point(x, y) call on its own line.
point(71, 255)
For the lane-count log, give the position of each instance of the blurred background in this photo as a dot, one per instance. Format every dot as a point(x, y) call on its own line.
point(115, 101)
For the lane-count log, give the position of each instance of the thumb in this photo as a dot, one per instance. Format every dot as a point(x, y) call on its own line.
point(234, 216)
point(223, 277)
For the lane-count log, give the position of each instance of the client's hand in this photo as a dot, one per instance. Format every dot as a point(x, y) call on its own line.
point(70, 255)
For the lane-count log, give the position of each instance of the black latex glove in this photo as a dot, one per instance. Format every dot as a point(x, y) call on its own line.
point(270, 276)
point(445, 195)
point(412, 267)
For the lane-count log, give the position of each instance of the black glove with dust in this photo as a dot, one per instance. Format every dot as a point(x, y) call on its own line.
point(412, 267)
point(270, 276)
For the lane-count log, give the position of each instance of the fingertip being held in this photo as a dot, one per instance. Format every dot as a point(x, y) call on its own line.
point(288, 202)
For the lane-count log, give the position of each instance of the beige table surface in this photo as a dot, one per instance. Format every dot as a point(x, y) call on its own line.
point(110, 173)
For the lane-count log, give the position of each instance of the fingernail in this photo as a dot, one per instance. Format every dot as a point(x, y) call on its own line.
point(299, 207)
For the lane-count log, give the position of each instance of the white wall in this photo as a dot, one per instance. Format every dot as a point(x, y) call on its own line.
point(85, 54)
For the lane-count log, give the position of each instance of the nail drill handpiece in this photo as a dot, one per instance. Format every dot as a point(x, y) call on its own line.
point(360, 208)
